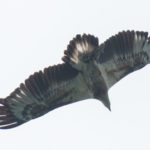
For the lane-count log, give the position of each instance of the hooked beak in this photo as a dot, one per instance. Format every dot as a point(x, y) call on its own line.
point(108, 106)
point(106, 102)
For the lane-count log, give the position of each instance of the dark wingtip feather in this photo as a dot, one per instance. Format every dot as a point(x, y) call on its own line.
point(3, 101)
point(9, 126)
point(7, 119)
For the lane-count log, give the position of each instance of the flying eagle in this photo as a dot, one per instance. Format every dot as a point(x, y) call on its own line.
point(88, 71)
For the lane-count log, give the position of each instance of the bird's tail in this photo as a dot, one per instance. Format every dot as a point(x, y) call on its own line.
point(80, 50)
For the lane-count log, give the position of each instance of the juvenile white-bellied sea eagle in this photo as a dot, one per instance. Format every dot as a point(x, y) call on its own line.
point(88, 71)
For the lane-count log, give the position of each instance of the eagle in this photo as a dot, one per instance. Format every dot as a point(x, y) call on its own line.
point(88, 71)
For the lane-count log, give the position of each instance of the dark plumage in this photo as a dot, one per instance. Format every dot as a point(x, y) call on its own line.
point(88, 71)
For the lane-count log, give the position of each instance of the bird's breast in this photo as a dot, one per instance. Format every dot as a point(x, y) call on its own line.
point(94, 79)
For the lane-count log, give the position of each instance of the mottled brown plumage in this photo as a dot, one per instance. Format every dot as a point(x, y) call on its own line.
point(88, 71)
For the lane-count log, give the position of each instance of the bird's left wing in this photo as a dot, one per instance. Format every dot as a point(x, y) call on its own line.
point(43, 91)
point(122, 54)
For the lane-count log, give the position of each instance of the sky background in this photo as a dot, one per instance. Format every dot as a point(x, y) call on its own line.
point(34, 34)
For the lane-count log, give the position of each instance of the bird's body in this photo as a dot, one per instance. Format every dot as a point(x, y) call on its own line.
point(89, 71)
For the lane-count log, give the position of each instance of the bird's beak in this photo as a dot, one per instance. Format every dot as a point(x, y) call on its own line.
point(109, 108)
point(106, 102)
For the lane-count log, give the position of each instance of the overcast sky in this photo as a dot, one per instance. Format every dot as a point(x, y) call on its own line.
point(34, 34)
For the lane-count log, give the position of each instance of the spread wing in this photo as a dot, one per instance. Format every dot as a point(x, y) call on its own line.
point(43, 91)
point(122, 54)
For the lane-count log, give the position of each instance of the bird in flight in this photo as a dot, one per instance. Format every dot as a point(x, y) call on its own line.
point(89, 70)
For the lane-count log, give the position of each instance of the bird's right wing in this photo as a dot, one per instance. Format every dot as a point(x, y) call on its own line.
point(43, 91)
point(122, 54)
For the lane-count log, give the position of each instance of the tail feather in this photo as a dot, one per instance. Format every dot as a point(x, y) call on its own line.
point(80, 50)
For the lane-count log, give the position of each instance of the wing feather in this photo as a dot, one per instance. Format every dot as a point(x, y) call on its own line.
point(43, 91)
point(122, 54)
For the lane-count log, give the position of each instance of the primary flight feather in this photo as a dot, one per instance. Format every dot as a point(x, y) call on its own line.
point(88, 71)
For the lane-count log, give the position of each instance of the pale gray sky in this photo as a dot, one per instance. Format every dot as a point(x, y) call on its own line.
point(34, 34)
